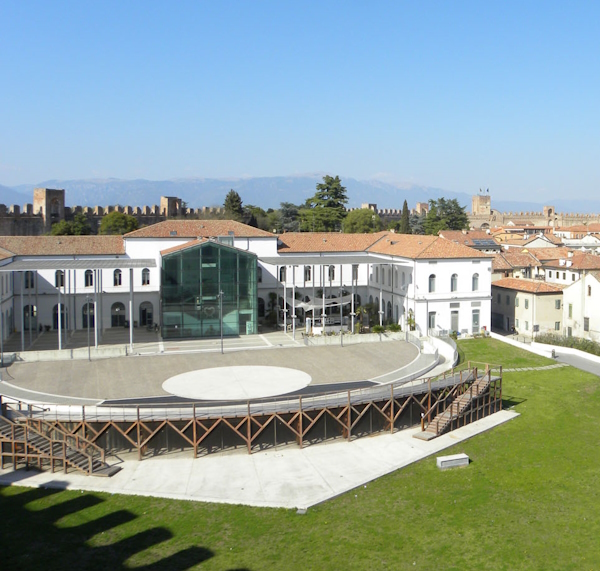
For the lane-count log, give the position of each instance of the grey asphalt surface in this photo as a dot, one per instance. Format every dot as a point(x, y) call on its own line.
point(578, 362)
point(142, 376)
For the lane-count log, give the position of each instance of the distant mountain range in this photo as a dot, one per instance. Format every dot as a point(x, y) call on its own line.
point(266, 192)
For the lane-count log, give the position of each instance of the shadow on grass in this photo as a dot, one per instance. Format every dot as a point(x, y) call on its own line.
point(508, 401)
point(36, 538)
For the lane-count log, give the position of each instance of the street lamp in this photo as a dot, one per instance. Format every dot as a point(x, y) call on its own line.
point(221, 313)
point(88, 299)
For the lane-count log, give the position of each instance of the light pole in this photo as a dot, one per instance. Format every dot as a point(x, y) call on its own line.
point(88, 299)
point(221, 313)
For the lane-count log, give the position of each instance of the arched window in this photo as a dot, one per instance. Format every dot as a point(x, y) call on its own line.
point(117, 278)
point(454, 282)
point(146, 314)
point(29, 280)
point(403, 278)
point(145, 278)
point(59, 278)
point(307, 273)
point(87, 315)
point(395, 277)
point(331, 273)
point(282, 274)
point(389, 310)
point(117, 315)
point(390, 277)
point(376, 274)
point(475, 282)
point(259, 274)
point(431, 283)
point(89, 278)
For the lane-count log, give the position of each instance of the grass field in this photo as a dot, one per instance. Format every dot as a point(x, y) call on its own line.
point(530, 499)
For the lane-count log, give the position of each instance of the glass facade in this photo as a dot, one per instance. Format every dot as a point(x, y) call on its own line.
point(191, 281)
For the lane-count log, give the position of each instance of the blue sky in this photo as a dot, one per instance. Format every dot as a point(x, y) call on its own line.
point(457, 95)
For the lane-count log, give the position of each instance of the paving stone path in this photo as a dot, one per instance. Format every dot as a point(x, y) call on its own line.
point(554, 366)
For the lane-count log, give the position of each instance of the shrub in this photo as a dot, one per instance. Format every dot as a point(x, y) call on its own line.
point(394, 327)
point(573, 342)
point(378, 329)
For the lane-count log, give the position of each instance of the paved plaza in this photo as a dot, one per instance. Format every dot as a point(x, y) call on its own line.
point(143, 375)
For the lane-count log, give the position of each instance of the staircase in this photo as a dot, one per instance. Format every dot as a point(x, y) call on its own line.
point(457, 407)
point(28, 441)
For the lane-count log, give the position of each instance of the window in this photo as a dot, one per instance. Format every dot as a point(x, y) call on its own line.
point(499, 298)
point(589, 291)
point(526, 304)
point(282, 274)
point(517, 323)
point(29, 280)
point(516, 302)
point(564, 275)
point(431, 319)
point(59, 278)
point(145, 276)
point(431, 283)
point(376, 274)
point(355, 272)
point(89, 278)
point(331, 273)
point(390, 277)
point(570, 311)
point(395, 277)
point(475, 282)
point(586, 323)
point(549, 273)
point(258, 274)
point(117, 278)
point(527, 326)
point(307, 273)
point(557, 304)
point(403, 278)
point(454, 282)
point(572, 277)
point(508, 300)
point(557, 326)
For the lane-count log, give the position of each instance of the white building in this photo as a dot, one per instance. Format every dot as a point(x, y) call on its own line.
point(64, 282)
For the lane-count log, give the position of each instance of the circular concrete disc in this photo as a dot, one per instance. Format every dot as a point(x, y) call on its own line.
point(236, 383)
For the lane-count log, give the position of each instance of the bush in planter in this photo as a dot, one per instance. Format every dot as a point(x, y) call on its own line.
point(378, 329)
point(394, 327)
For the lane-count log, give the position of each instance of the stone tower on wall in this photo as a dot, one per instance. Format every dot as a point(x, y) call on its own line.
point(481, 204)
point(50, 203)
point(170, 206)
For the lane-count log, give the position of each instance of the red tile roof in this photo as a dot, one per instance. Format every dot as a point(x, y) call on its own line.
point(63, 245)
point(578, 261)
point(424, 247)
point(296, 242)
point(528, 286)
point(198, 229)
point(185, 246)
point(388, 243)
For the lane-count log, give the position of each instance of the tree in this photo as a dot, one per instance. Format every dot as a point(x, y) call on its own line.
point(289, 217)
point(417, 222)
point(79, 226)
point(445, 215)
point(233, 206)
point(404, 220)
point(325, 211)
point(118, 223)
point(362, 221)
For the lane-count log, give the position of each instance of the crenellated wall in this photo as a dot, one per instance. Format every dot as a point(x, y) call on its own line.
point(49, 207)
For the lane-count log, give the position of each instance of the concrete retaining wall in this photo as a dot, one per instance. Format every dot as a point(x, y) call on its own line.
point(67, 354)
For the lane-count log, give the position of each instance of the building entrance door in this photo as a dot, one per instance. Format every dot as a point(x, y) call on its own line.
point(454, 321)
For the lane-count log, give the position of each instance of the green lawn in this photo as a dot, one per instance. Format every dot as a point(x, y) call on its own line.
point(530, 499)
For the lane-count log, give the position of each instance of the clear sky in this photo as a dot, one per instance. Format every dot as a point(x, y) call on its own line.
point(453, 94)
